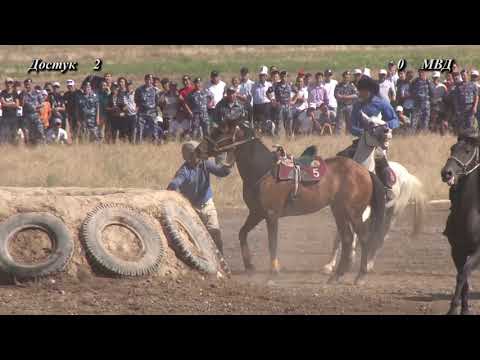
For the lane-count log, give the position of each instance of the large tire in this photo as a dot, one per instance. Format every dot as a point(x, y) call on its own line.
point(152, 246)
point(189, 238)
point(56, 230)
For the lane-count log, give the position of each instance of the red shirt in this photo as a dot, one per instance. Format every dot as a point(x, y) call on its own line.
point(185, 91)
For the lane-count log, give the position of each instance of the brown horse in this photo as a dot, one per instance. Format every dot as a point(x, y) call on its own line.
point(355, 196)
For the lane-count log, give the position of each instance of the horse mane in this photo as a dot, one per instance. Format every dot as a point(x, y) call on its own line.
point(310, 151)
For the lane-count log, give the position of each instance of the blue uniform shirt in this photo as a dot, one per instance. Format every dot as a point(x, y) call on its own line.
point(373, 107)
point(194, 183)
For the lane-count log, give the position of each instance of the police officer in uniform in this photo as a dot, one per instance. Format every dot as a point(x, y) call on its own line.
point(147, 100)
point(197, 107)
point(229, 108)
point(465, 100)
point(371, 104)
point(89, 112)
point(8, 118)
point(282, 104)
point(32, 102)
point(422, 91)
point(346, 94)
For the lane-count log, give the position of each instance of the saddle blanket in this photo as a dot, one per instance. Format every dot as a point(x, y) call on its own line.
point(286, 170)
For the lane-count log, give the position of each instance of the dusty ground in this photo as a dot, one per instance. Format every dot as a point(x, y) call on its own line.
point(411, 277)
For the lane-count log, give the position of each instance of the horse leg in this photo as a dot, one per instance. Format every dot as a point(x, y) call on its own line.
point(362, 232)
point(464, 268)
point(250, 223)
point(272, 228)
point(346, 237)
point(328, 268)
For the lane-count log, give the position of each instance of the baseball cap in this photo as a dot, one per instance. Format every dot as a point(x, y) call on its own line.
point(399, 108)
point(8, 80)
point(357, 72)
point(475, 73)
point(283, 72)
point(197, 80)
point(70, 82)
point(312, 107)
point(214, 73)
point(328, 72)
point(58, 121)
point(231, 89)
point(346, 72)
point(366, 72)
point(263, 71)
point(436, 74)
point(382, 72)
point(56, 83)
point(44, 93)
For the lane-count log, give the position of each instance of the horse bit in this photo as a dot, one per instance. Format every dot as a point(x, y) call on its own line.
point(464, 166)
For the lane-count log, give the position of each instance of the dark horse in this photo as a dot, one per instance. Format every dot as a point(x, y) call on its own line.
point(355, 196)
point(461, 172)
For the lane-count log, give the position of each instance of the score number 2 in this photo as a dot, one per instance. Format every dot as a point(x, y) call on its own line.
point(98, 65)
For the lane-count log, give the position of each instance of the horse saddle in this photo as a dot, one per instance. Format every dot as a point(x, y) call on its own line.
point(291, 169)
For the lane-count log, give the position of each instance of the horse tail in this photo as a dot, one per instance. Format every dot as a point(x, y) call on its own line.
point(418, 195)
point(378, 212)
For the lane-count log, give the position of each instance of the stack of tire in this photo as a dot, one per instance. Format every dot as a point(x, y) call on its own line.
point(183, 229)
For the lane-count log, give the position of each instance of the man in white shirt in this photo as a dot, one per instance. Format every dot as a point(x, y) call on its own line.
point(244, 94)
point(392, 73)
point(330, 85)
point(438, 120)
point(57, 135)
point(474, 78)
point(217, 88)
point(386, 87)
point(261, 102)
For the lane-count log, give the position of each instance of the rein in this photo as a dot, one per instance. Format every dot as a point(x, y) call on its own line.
point(233, 145)
point(476, 155)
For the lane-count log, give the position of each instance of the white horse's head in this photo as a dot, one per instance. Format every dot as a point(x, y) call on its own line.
point(378, 133)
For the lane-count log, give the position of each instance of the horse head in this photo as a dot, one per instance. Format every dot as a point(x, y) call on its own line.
point(464, 157)
point(225, 137)
point(377, 129)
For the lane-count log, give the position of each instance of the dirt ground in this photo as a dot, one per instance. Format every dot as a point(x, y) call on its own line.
point(410, 277)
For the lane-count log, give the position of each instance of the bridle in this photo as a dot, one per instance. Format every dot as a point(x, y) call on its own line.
point(464, 166)
point(233, 138)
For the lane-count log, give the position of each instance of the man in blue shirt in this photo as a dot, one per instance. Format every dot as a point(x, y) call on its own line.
point(371, 104)
point(192, 180)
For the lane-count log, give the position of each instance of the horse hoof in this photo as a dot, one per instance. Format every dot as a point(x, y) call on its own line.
point(328, 269)
point(333, 280)
point(360, 280)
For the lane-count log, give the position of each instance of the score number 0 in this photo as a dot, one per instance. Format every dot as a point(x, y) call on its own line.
point(98, 65)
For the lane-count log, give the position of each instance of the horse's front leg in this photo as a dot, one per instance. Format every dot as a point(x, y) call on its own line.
point(272, 228)
point(252, 221)
point(330, 266)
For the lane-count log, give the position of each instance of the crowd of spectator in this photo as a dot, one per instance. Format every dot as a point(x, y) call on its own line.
point(104, 110)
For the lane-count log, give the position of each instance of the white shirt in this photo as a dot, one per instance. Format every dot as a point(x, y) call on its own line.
point(393, 78)
point(217, 91)
point(60, 138)
point(259, 92)
point(330, 88)
point(385, 88)
point(245, 89)
point(302, 99)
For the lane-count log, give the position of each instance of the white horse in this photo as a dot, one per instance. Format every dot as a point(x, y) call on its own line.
point(406, 188)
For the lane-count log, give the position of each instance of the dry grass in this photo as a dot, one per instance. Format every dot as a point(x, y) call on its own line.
point(152, 167)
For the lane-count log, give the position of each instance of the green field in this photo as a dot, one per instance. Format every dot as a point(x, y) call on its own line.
point(174, 61)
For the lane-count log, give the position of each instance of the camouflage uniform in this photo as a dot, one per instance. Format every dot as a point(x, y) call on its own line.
point(88, 107)
point(283, 110)
point(229, 111)
point(31, 117)
point(422, 91)
point(464, 97)
point(198, 101)
point(147, 99)
point(344, 109)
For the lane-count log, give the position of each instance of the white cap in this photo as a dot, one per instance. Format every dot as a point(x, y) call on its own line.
point(312, 106)
point(383, 71)
point(436, 74)
point(56, 83)
point(366, 72)
point(357, 71)
point(44, 93)
point(399, 108)
point(474, 72)
point(263, 71)
point(70, 82)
